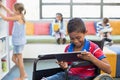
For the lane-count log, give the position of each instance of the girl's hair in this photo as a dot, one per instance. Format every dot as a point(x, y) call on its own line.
point(20, 7)
point(76, 25)
point(61, 17)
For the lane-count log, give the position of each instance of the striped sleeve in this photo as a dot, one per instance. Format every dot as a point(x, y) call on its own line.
point(99, 26)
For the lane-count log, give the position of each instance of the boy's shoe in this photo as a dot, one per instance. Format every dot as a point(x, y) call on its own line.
point(109, 43)
point(64, 41)
point(58, 40)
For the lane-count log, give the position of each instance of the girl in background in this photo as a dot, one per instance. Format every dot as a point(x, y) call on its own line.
point(18, 35)
point(59, 29)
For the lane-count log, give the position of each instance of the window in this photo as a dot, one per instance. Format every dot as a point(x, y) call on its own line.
point(46, 9)
point(86, 1)
point(49, 11)
point(55, 1)
point(111, 1)
point(81, 8)
point(86, 11)
point(111, 11)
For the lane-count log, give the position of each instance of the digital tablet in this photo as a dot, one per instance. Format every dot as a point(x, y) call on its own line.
point(69, 56)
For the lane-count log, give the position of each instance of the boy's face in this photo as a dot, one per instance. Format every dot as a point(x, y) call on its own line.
point(77, 38)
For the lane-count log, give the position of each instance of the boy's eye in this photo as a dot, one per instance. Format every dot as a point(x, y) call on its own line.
point(71, 38)
point(78, 37)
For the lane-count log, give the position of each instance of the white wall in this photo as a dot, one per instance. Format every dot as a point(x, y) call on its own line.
point(32, 9)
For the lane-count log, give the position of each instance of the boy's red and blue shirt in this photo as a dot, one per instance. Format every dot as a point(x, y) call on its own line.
point(86, 71)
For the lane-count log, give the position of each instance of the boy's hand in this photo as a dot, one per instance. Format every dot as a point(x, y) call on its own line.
point(86, 56)
point(63, 64)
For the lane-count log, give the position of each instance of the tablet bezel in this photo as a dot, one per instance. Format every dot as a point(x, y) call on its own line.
point(69, 56)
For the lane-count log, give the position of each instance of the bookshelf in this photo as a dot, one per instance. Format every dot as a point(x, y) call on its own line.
point(4, 51)
point(5, 60)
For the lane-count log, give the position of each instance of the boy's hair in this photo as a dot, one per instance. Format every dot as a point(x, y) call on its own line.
point(19, 7)
point(76, 25)
point(105, 20)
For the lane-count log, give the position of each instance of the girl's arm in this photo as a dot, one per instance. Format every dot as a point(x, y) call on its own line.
point(13, 18)
point(6, 9)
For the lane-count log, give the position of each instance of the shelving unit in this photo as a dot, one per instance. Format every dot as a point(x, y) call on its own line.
point(4, 51)
point(5, 61)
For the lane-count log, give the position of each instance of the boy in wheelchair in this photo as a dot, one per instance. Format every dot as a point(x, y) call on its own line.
point(77, 31)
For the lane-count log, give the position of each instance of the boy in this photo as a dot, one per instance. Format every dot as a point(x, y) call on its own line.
point(77, 31)
point(104, 31)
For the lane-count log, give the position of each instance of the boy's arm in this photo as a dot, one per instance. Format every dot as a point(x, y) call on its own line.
point(6, 9)
point(102, 64)
point(98, 58)
point(14, 18)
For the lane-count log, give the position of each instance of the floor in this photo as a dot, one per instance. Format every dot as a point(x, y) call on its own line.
point(33, 50)
point(29, 69)
point(14, 73)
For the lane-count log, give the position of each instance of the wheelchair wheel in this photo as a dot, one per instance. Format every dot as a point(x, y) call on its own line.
point(103, 77)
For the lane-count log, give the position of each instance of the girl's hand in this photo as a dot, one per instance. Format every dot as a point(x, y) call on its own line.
point(86, 56)
point(1, 3)
point(0, 14)
point(63, 64)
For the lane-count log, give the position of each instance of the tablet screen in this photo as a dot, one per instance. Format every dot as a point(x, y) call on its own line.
point(68, 56)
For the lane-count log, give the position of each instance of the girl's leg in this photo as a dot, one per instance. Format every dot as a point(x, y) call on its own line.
point(14, 59)
point(17, 58)
point(23, 74)
point(63, 38)
point(57, 37)
point(21, 66)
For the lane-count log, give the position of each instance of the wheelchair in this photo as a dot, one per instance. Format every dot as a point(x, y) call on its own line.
point(39, 74)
